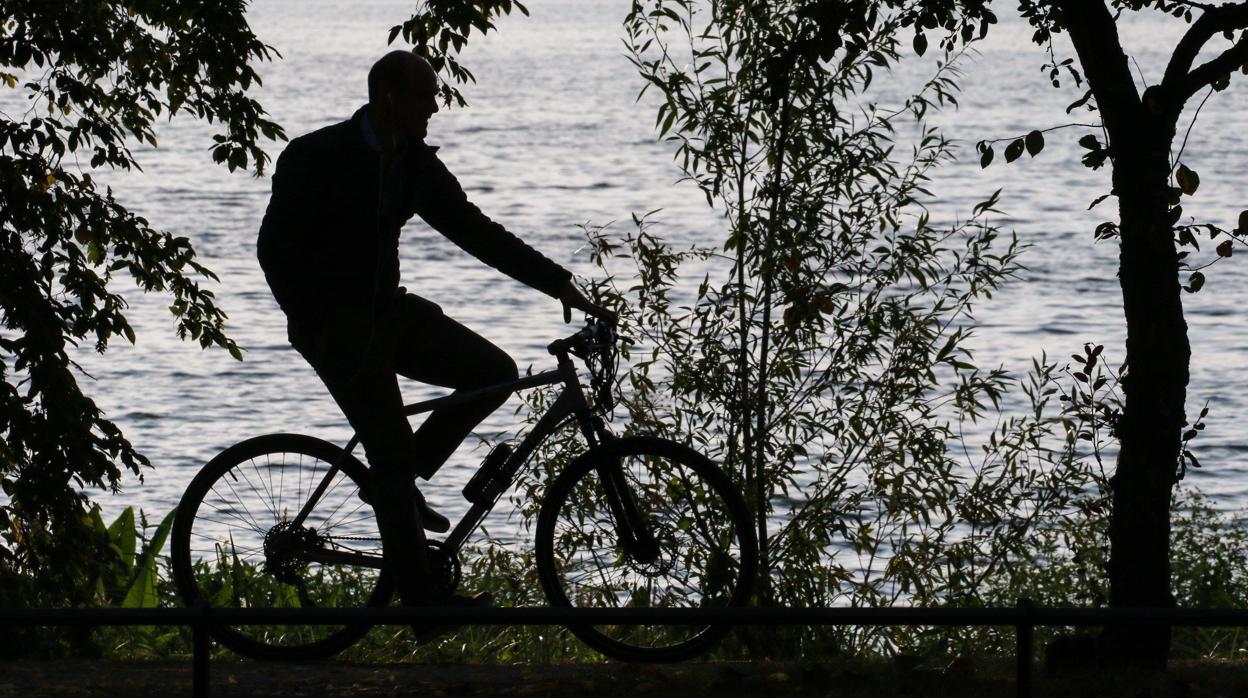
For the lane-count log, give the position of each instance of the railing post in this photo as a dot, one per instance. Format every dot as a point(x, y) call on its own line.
point(1024, 631)
point(200, 650)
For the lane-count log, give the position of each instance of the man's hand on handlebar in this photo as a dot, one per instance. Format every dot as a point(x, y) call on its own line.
point(571, 297)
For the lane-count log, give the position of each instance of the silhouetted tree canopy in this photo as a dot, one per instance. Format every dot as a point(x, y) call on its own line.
point(94, 77)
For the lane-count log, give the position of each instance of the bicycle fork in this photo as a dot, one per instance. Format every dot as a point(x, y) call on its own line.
point(631, 527)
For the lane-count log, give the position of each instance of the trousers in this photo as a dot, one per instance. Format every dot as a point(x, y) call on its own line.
point(359, 355)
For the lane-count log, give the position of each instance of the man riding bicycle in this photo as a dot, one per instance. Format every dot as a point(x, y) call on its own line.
point(329, 249)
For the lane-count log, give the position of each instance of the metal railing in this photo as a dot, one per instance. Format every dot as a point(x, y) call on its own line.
point(1024, 617)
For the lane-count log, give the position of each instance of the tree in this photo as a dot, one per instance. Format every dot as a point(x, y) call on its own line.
point(818, 347)
point(95, 75)
point(1139, 133)
point(815, 203)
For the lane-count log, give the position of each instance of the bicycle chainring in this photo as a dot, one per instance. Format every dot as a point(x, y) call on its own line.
point(444, 567)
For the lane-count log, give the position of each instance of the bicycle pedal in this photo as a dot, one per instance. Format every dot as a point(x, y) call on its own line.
point(489, 480)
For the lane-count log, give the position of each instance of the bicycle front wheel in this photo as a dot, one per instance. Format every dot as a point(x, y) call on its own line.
point(706, 553)
point(234, 543)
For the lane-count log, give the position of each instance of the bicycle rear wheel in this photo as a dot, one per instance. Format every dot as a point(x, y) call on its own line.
point(234, 543)
point(706, 554)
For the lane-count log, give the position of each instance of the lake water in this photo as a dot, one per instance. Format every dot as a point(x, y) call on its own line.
point(553, 138)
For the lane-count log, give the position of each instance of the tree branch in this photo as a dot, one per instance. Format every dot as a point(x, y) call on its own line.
point(1183, 82)
point(1207, 74)
point(1095, 37)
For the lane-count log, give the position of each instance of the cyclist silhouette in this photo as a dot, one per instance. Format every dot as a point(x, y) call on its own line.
point(329, 249)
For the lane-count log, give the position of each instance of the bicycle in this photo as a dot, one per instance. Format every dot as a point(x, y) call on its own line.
point(631, 522)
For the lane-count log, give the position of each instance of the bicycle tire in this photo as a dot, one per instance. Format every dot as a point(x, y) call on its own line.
point(726, 528)
point(249, 465)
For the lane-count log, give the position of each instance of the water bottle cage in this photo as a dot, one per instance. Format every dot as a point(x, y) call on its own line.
point(492, 478)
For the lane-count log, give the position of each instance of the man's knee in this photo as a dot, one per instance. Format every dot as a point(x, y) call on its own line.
point(505, 369)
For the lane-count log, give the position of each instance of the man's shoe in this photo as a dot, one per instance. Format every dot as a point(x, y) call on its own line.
point(430, 520)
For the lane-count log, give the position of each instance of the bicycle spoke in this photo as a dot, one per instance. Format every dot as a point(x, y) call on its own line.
point(695, 562)
point(239, 499)
point(243, 474)
point(244, 551)
point(249, 521)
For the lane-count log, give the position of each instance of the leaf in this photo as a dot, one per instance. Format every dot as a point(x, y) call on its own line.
point(142, 591)
point(1243, 222)
point(1079, 102)
point(1188, 180)
point(142, 594)
point(920, 43)
point(121, 534)
point(1014, 150)
point(1089, 141)
point(1098, 200)
point(1225, 249)
point(985, 159)
point(1195, 282)
point(161, 533)
point(1034, 142)
point(1094, 159)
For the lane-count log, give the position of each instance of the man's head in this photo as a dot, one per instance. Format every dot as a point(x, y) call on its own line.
point(403, 94)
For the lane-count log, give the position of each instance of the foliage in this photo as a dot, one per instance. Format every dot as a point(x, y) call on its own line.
point(1063, 565)
point(439, 30)
point(1165, 100)
point(129, 575)
point(95, 80)
point(822, 351)
point(1151, 183)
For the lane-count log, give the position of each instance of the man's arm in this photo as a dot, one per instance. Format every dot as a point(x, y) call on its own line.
point(441, 201)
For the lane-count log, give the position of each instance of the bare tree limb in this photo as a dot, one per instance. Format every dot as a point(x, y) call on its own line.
point(1180, 79)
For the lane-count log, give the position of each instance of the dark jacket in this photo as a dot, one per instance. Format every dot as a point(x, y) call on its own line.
point(330, 237)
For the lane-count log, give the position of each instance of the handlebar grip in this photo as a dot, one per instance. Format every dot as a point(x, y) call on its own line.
point(587, 333)
point(561, 346)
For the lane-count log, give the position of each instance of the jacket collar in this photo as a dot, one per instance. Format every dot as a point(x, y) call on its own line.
point(362, 130)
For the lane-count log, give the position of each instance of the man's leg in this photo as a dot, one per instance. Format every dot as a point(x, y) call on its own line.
point(436, 349)
point(373, 406)
point(367, 391)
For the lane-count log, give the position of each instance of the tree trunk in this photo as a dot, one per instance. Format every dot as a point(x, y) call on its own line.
point(1141, 131)
point(1155, 386)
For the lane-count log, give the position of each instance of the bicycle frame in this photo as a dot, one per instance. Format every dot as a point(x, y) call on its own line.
point(571, 402)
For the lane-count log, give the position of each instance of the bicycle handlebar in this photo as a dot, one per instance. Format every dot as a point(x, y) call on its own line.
point(595, 344)
point(596, 334)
